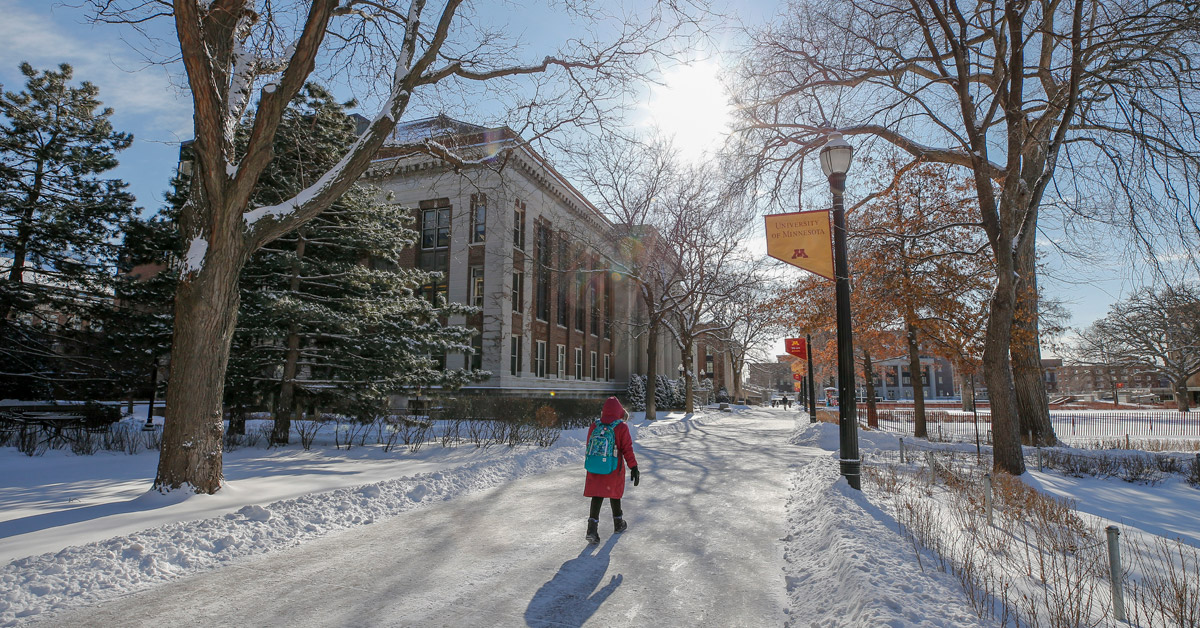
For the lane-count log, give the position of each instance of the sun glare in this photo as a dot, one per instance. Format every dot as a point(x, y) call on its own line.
point(692, 107)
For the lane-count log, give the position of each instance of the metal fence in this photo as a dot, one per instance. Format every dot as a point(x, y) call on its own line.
point(956, 425)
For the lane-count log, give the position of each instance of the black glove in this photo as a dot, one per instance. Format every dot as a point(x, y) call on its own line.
point(633, 473)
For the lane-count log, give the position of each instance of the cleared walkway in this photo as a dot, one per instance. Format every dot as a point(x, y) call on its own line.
point(703, 549)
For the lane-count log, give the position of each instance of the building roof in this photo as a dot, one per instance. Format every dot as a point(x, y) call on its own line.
point(410, 142)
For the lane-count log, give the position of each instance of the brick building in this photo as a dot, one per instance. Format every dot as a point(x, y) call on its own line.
point(512, 236)
point(1105, 380)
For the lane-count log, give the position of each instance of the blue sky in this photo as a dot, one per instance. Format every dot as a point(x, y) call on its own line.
point(148, 104)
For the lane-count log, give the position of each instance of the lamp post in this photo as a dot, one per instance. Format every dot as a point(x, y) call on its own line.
point(812, 391)
point(835, 161)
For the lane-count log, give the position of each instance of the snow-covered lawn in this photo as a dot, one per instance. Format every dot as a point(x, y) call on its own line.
point(741, 519)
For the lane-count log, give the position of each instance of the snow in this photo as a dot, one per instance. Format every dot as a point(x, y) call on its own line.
point(740, 519)
point(193, 261)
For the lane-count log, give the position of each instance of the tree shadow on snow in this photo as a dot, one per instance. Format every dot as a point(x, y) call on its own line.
point(571, 597)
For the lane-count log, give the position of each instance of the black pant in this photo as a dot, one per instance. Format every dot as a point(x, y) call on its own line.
point(596, 503)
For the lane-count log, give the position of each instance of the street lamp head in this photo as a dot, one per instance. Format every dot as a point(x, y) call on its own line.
point(836, 155)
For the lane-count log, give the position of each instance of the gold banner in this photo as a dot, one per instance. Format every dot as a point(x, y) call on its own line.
point(802, 239)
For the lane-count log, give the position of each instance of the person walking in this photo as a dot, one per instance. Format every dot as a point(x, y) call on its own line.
point(609, 451)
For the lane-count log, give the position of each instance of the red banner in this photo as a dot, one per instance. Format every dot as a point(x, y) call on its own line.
point(798, 377)
point(796, 347)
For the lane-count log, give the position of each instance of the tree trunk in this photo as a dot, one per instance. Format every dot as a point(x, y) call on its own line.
point(915, 372)
point(206, 305)
point(651, 368)
point(16, 271)
point(237, 420)
point(1182, 401)
point(869, 376)
point(688, 405)
point(997, 372)
point(967, 385)
point(1033, 404)
point(281, 433)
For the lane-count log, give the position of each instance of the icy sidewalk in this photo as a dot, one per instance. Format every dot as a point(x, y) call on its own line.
point(703, 549)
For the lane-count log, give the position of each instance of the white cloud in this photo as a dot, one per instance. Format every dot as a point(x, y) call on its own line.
point(141, 95)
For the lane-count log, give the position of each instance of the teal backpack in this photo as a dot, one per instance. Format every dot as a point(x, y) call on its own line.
point(601, 457)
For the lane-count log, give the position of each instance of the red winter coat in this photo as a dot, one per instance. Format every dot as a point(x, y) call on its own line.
point(612, 484)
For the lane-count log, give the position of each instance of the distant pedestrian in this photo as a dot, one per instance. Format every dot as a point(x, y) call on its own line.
point(609, 450)
point(787, 402)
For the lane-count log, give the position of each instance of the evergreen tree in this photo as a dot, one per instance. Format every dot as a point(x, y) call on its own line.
point(637, 392)
point(138, 335)
point(58, 221)
point(662, 392)
point(327, 316)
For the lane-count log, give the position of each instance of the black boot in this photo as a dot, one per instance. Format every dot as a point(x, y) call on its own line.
point(619, 525)
point(593, 532)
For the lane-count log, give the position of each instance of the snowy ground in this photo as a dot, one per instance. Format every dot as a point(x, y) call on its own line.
point(740, 520)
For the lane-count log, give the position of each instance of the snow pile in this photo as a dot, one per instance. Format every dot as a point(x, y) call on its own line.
point(847, 562)
point(91, 572)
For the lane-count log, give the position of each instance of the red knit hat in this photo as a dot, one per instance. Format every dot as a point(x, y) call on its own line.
point(612, 410)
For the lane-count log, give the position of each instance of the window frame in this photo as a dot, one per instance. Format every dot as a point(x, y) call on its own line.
point(518, 291)
point(561, 366)
point(594, 364)
point(519, 226)
point(478, 218)
point(539, 358)
point(515, 350)
point(475, 279)
point(579, 363)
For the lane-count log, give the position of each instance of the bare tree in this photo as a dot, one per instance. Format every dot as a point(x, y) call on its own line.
point(1005, 88)
point(707, 229)
point(631, 178)
point(746, 324)
point(246, 60)
point(1156, 330)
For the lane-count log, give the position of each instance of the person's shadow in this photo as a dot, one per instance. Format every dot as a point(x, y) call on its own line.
point(571, 597)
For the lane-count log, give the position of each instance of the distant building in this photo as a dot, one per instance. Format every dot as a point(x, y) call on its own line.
point(713, 363)
point(512, 236)
point(1050, 369)
point(774, 376)
point(1106, 380)
point(894, 381)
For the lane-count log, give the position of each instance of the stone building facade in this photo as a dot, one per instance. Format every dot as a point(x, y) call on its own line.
point(513, 237)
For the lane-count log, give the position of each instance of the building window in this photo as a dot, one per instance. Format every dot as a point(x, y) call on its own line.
point(539, 358)
point(435, 227)
point(578, 362)
point(608, 303)
point(478, 218)
point(477, 356)
point(519, 226)
point(514, 353)
point(435, 248)
point(541, 255)
point(607, 367)
point(476, 284)
point(518, 292)
point(562, 361)
point(594, 308)
point(563, 263)
point(594, 365)
point(580, 310)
